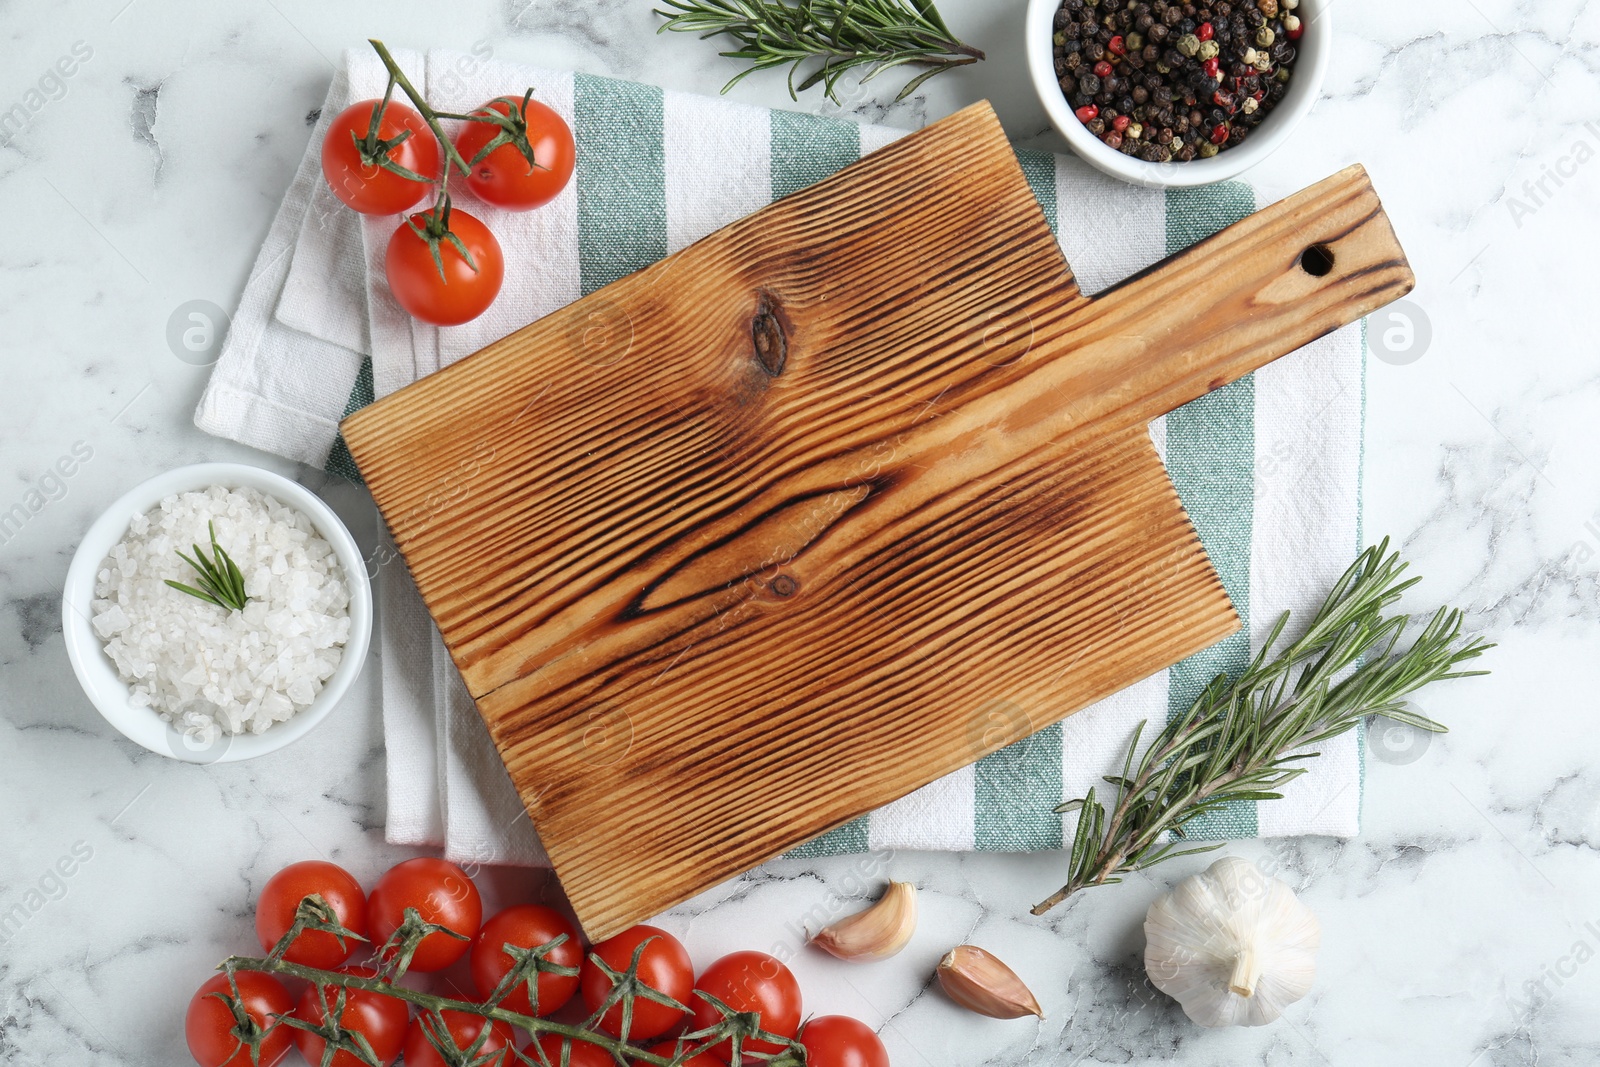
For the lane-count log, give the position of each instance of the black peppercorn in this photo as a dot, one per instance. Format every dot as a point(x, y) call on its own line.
point(1173, 102)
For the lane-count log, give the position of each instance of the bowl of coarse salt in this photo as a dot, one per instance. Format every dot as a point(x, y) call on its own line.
point(217, 612)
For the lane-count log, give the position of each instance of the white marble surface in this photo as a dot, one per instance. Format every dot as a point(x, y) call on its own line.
point(151, 181)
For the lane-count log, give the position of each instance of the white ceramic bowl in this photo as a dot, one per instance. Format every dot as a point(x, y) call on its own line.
point(1314, 50)
point(98, 675)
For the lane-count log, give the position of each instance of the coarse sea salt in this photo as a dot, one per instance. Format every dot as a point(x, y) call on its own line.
point(209, 670)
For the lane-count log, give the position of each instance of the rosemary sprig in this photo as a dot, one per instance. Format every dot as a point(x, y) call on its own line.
point(844, 34)
point(1240, 737)
point(220, 581)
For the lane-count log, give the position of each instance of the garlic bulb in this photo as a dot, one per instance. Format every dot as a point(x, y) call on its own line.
point(1232, 945)
point(877, 933)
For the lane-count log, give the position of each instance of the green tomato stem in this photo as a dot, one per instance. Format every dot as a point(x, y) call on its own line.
point(434, 1002)
point(429, 115)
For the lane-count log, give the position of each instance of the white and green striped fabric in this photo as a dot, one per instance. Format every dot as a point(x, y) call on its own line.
point(1269, 467)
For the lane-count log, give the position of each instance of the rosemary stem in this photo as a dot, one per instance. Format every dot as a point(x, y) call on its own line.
point(1236, 741)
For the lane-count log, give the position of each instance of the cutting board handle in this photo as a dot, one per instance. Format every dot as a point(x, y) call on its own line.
point(1265, 286)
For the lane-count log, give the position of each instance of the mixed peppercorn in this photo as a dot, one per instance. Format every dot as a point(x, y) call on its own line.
point(1167, 81)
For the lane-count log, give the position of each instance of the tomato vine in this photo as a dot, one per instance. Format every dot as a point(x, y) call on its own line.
point(392, 959)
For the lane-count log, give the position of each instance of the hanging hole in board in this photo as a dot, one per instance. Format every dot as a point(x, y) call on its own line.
point(1317, 260)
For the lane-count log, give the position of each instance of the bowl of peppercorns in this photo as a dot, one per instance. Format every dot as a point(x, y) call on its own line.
point(1165, 93)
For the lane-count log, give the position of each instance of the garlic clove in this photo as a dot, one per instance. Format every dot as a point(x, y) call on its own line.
point(1232, 945)
point(979, 982)
point(876, 933)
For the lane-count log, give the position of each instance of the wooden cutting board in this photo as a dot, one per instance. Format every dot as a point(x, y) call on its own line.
point(761, 537)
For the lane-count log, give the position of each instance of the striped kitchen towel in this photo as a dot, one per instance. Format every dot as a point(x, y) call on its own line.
point(1269, 467)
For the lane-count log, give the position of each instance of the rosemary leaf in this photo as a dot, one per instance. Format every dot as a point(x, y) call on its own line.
point(1240, 738)
point(843, 35)
point(220, 580)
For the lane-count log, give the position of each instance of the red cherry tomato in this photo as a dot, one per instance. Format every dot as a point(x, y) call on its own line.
point(583, 1053)
point(750, 981)
point(504, 177)
point(464, 1030)
point(442, 893)
point(840, 1041)
point(664, 966)
point(208, 1025)
point(282, 895)
point(380, 1019)
point(368, 187)
point(527, 926)
point(463, 293)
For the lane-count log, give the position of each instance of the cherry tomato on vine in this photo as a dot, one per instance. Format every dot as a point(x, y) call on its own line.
point(380, 1019)
point(464, 1029)
point(442, 894)
point(749, 981)
point(365, 184)
point(527, 926)
point(663, 966)
point(504, 176)
point(840, 1041)
point(463, 293)
point(209, 1025)
point(705, 1059)
point(583, 1053)
point(282, 895)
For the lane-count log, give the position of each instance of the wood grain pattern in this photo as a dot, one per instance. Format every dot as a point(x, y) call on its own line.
point(744, 544)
